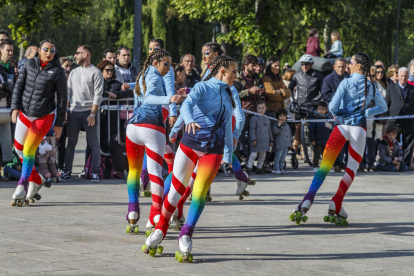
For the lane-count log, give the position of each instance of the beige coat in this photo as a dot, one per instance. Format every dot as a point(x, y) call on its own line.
point(276, 93)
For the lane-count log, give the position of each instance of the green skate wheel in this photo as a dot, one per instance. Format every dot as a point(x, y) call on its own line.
point(190, 258)
point(292, 217)
point(128, 228)
point(176, 254)
point(305, 218)
point(147, 233)
point(344, 222)
point(332, 219)
point(136, 229)
point(297, 221)
point(326, 219)
point(160, 249)
point(180, 258)
point(298, 214)
point(143, 248)
point(152, 252)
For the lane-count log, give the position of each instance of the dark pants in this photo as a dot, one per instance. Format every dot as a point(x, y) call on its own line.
point(317, 152)
point(391, 168)
point(370, 150)
point(408, 143)
point(61, 148)
point(243, 138)
point(75, 121)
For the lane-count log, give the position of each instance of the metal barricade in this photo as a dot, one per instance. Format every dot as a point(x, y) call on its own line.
point(108, 107)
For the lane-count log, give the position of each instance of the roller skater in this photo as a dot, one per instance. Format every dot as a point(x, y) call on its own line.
point(207, 114)
point(41, 78)
point(146, 133)
point(186, 245)
point(355, 99)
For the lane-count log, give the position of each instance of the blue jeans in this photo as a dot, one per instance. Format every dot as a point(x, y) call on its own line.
point(11, 173)
point(391, 168)
point(280, 156)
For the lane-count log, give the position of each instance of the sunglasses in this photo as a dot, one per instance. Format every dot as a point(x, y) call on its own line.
point(305, 64)
point(189, 61)
point(380, 72)
point(206, 53)
point(78, 53)
point(52, 50)
point(109, 70)
point(155, 48)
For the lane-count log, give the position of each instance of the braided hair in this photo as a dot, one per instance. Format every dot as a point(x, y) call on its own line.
point(364, 60)
point(157, 55)
point(218, 63)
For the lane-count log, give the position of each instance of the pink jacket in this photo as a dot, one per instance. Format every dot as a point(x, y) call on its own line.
point(313, 48)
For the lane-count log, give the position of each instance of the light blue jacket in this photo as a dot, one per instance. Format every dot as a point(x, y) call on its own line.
point(337, 49)
point(209, 105)
point(148, 106)
point(206, 73)
point(346, 104)
point(168, 85)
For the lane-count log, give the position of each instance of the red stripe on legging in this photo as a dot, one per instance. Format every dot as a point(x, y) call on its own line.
point(350, 172)
point(17, 145)
point(156, 179)
point(154, 127)
point(169, 156)
point(178, 186)
point(154, 156)
point(24, 120)
point(189, 152)
point(355, 155)
point(168, 206)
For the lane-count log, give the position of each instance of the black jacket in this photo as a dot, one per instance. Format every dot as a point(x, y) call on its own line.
point(6, 89)
point(397, 105)
point(192, 79)
point(34, 92)
point(330, 85)
point(318, 132)
point(308, 85)
point(11, 71)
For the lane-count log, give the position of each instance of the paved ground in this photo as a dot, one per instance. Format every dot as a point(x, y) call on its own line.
point(78, 228)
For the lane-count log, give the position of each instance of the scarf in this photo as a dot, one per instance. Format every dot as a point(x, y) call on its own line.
point(410, 78)
point(43, 64)
point(390, 146)
point(6, 65)
point(320, 116)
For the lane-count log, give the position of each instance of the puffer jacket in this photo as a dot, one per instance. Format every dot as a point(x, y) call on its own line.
point(384, 151)
point(319, 132)
point(34, 92)
point(308, 85)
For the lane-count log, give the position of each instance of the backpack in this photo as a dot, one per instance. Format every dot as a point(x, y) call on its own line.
point(106, 170)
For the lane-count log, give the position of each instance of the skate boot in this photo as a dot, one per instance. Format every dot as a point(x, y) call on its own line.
point(176, 223)
point(19, 196)
point(152, 244)
point(208, 197)
point(186, 245)
point(300, 215)
point(333, 217)
point(145, 183)
point(132, 218)
point(55, 175)
point(150, 227)
point(241, 186)
point(33, 189)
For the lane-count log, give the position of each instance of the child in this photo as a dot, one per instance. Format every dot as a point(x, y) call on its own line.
point(388, 153)
point(47, 156)
point(283, 140)
point(319, 133)
point(336, 50)
point(261, 138)
point(13, 169)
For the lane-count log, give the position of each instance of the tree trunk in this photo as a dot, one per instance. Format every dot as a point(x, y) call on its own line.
point(225, 47)
point(281, 52)
point(259, 8)
point(22, 50)
point(326, 37)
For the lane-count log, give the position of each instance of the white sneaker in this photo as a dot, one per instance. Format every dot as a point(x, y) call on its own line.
point(284, 172)
point(95, 178)
point(315, 169)
point(277, 172)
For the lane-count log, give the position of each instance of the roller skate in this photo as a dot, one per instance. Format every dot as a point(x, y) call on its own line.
point(150, 227)
point(208, 197)
point(146, 189)
point(33, 189)
point(145, 182)
point(186, 245)
point(333, 217)
point(19, 197)
point(241, 186)
point(55, 175)
point(300, 215)
point(152, 244)
point(176, 223)
point(132, 218)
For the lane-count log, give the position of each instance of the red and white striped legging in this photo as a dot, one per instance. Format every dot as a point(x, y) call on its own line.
point(147, 138)
point(185, 161)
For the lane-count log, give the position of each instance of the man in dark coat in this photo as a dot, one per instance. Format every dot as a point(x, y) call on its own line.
point(400, 101)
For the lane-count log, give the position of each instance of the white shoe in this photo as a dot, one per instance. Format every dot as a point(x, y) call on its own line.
point(185, 243)
point(342, 213)
point(95, 178)
point(155, 238)
point(19, 193)
point(277, 172)
point(284, 172)
point(32, 190)
point(315, 169)
point(156, 220)
point(241, 187)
